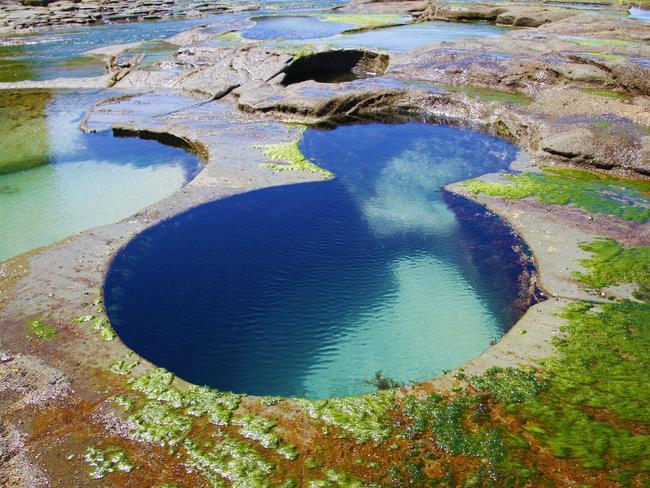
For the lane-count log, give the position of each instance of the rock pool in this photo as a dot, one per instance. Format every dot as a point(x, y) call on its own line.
point(55, 180)
point(292, 27)
point(407, 37)
point(309, 289)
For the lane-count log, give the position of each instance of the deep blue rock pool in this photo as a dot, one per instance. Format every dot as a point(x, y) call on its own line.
point(309, 289)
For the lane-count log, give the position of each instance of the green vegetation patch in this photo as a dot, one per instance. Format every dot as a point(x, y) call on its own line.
point(122, 367)
point(157, 385)
point(217, 405)
point(597, 193)
point(38, 329)
point(106, 461)
point(612, 264)
point(594, 41)
point(160, 423)
point(229, 459)
point(458, 426)
point(596, 400)
point(258, 429)
point(508, 385)
point(365, 417)
point(486, 94)
point(604, 93)
point(103, 328)
point(288, 156)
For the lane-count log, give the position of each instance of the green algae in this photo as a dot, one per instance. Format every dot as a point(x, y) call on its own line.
point(258, 429)
point(218, 406)
point(288, 156)
point(160, 423)
point(597, 390)
point(269, 401)
point(604, 93)
point(589, 191)
point(489, 95)
point(444, 422)
point(229, 459)
point(122, 368)
point(106, 461)
point(592, 41)
point(365, 417)
point(38, 329)
point(125, 403)
point(607, 57)
point(612, 264)
point(84, 318)
point(337, 479)
point(289, 452)
point(24, 133)
point(103, 328)
point(508, 385)
point(157, 385)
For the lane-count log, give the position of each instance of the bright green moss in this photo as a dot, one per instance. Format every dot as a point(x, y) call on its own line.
point(217, 405)
point(344, 480)
point(508, 385)
point(230, 459)
point(159, 423)
point(103, 328)
point(364, 417)
point(106, 461)
point(288, 451)
point(157, 385)
point(445, 424)
point(607, 57)
point(258, 429)
point(269, 401)
point(290, 157)
point(84, 318)
point(612, 264)
point(38, 329)
point(602, 366)
point(121, 367)
point(583, 189)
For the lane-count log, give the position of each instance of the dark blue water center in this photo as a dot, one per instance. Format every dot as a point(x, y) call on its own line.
point(308, 289)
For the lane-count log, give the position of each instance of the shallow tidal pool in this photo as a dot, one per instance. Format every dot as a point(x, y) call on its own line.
point(309, 289)
point(56, 180)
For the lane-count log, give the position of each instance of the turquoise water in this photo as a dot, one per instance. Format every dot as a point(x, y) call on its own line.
point(407, 37)
point(78, 181)
point(309, 289)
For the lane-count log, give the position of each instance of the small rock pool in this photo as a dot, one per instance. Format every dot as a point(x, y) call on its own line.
point(56, 180)
point(309, 289)
point(292, 27)
point(406, 37)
